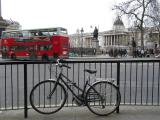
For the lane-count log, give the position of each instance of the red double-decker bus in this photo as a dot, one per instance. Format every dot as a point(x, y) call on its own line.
point(40, 44)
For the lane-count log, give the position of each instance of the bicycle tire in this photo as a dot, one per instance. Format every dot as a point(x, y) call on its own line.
point(40, 100)
point(103, 98)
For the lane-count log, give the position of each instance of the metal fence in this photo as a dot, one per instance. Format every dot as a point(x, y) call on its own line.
point(138, 80)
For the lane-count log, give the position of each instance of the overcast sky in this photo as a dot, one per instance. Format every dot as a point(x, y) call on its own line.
point(71, 14)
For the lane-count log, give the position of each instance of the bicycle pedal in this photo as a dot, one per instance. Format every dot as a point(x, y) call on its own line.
point(78, 103)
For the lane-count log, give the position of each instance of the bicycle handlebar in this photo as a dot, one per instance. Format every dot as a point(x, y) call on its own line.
point(58, 63)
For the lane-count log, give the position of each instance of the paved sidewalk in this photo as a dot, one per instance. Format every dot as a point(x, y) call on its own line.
point(82, 113)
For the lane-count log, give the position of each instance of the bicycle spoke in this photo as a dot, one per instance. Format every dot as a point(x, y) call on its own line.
point(102, 97)
point(50, 103)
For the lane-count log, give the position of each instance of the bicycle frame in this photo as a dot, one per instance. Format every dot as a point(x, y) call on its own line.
point(93, 95)
point(61, 78)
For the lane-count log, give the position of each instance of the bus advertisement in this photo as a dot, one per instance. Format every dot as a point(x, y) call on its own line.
point(41, 44)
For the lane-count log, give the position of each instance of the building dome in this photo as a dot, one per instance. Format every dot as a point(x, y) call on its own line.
point(118, 21)
point(118, 24)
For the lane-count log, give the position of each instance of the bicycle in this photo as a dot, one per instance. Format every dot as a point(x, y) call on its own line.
point(102, 97)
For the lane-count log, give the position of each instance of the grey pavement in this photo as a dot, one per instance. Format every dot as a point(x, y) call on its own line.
point(102, 56)
point(82, 113)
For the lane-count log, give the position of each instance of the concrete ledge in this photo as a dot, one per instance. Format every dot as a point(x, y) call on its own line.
point(82, 113)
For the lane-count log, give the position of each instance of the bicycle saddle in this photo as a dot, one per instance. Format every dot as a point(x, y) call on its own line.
point(90, 71)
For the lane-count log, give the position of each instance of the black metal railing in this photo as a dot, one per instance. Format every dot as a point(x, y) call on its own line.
point(138, 80)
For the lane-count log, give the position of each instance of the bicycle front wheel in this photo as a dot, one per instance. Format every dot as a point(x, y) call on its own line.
point(48, 97)
point(103, 98)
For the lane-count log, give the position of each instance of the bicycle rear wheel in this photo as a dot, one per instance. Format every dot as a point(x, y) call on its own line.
point(103, 98)
point(46, 101)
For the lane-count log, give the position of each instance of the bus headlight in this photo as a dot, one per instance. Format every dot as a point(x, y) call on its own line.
point(64, 52)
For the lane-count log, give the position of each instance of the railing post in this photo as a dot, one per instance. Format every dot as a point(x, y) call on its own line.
point(118, 80)
point(25, 92)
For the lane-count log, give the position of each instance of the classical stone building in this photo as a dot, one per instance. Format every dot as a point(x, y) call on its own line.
point(119, 37)
point(8, 24)
point(81, 40)
point(112, 38)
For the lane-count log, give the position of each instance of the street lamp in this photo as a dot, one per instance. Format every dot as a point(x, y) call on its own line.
point(82, 41)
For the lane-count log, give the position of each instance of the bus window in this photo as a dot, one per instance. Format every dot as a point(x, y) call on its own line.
point(5, 35)
point(45, 47)
point(26, 34)
point(36, 33)
point(21, 48)
point(19, 34)
point(63, 31)
point(13, 34)
point(53, 32)
point(45, 33)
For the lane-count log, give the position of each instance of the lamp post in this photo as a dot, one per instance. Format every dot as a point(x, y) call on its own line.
point(82, 41)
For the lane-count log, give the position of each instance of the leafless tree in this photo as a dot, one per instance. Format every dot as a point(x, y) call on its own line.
point(137, 11)
point(155, 16)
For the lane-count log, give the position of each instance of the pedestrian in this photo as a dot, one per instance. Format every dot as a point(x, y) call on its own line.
point(142, 53)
